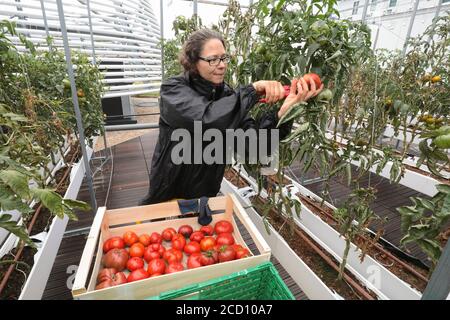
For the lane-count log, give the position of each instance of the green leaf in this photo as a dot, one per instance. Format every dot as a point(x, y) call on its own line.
point(292, 113)
point(311, 49)
point(443, 188)
point(11, 226)
point(51, 200)
point(17, 181)
point(301, 128)
point(76, 204)
point(431, 247)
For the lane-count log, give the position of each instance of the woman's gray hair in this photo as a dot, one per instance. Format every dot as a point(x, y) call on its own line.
point(193, 46)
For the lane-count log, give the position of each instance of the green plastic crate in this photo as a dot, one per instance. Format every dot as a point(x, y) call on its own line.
point(258, 283)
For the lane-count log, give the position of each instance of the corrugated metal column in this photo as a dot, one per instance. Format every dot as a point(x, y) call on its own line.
point(75, 104)
point(411, 23)
point(161, 5)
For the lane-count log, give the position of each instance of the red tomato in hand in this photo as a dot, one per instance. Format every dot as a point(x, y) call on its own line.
point(226, 253)
point(137, 275)
point(207, 243)
point(185, 230)
point(155, 237)
point(225, 238)
point(135, 263)
point(113, 243)
point(223, 226)
point(168, 233)
point(116, 258)
point(174, 267)
point(130, 238)
point(194, 261)
point(137, 250)
point(173, 255)
point(209, 257)
point(197, 236)
point(207, 230)
point(154, 251)
point(314, 77)
point(178, 241)
point(144, 239)
point(192, 247)
point(156, 266)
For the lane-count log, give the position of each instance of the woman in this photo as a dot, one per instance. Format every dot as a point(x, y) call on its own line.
point(200, 94)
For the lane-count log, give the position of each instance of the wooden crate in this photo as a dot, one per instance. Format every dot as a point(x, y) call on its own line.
point(109, 223)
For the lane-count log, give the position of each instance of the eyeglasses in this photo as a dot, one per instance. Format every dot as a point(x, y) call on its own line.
point(216, 61)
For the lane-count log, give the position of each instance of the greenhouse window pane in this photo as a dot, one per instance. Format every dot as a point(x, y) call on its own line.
point(355, 7)
point(392, 3)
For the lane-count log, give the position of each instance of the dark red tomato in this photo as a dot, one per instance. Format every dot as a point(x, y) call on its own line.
point(207, 230)
point(208, 258)
point(144, 239)
point(168, 233)
point(135, 263)
point(207, 243)
point(192, 247)
point(223, 226)
point(109, 277)
point(226, 253)
point(225, 238)
point(156, 266)
point(173, 255)
point(197, 236)
point(185, 230)
point(137, 250)
point(242, 253)
point(116, 258)
point(194, 261)
point(174, 267)
point(178, 241)
point(155, 237)
point(154, 251)
point(137, 275)
point(130, 238)
point(113, 243)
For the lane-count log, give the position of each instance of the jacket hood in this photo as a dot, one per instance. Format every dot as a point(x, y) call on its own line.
point(205, 87)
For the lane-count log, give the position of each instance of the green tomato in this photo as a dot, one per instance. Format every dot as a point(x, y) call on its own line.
point(442, 131)
point(442, 142)
point(326, 95)
point(66, 83)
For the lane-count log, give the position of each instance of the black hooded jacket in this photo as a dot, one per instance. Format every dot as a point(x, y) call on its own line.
point(187, 98)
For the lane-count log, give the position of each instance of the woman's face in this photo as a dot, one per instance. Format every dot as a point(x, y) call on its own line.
point(212, 49)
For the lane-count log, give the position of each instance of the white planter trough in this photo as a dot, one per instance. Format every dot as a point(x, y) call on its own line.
point(45, 257)
point(306, 279)
point(370, 272)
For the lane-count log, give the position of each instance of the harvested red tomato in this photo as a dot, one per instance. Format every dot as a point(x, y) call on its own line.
point(168, 233)
point(114, 242)
point(185, 230)
point(226, 253)
point(192, 247)
point(209, 257)
point(137, 250)
point(155, 237)
point(314, 77)
point(207, 230)
point(144, 239)
point(194, 261)
point(223, 226)
point(109, 277)
point(156, 266)
point(174, 267)
point(197, 236)
point(178, 241)
point(154, 251)
point(236, 247)
point(135, 263)
point(137, 275)
point(156, 274)
point(116, 258)
point(242, 253)
point(130, 238)
point(225, 238)
point(173, 255)
point(207, 243)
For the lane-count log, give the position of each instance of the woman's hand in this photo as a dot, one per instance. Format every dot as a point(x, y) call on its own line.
point(299, 92)
point(273, 90)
